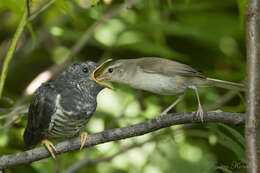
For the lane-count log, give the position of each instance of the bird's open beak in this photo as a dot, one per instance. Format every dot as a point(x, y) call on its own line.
point(99, 79)
point(102, 77)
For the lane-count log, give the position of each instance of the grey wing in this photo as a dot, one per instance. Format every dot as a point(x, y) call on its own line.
point(40, 111)
point(167, 67)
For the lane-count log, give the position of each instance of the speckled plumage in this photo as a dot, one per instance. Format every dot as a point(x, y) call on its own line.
point(61, 108)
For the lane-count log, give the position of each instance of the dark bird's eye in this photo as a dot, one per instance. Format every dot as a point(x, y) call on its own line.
point(110, 70)
point(85, 69)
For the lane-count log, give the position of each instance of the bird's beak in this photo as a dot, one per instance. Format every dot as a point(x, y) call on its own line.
point(98, 79)
point(102, 77)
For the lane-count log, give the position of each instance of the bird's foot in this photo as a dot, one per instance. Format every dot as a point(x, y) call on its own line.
point(50, 147)
point(83, 138)
point(199, 113)
point(164, 113)
point(160, 116)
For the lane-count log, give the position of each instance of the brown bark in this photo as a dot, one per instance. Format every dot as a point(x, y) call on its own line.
point(253, 86)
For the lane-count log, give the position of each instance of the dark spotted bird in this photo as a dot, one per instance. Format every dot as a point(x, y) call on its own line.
point(60, 109)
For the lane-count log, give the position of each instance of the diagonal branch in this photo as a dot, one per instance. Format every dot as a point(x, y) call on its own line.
point(157, 123)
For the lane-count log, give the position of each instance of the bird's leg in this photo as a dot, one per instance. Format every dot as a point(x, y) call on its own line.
point(50, 147)
point(200, 110)
point(83, 138)
point(180, 98)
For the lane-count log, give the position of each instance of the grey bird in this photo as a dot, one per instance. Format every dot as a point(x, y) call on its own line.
point(161, 76)
point(60, 109)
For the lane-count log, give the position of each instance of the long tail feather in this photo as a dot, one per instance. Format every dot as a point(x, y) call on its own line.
point(226, 84)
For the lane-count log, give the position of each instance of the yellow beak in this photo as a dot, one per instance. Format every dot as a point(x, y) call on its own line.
point(96, 70)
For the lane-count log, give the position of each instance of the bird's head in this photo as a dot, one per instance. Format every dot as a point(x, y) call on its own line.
point(80, 73)
point(115, 71)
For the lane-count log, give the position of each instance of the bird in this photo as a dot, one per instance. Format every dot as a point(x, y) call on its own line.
point(60, 109)
point(161, 76)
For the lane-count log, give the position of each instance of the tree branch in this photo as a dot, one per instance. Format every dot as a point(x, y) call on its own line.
point(253, 91)
point(223, 100)
point(157, 123)
point(87, 162)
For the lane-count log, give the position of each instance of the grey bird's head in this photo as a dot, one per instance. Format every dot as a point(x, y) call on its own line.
point(118, 71)
point(115, 71)
point(80, 73)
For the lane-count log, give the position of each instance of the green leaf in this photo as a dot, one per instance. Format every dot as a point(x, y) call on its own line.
point(31, 31)
point(235, 133)
point(187, 1)
point(233, 146)
point(199, 27)
point(94, 2)
point(13, 5)
point(224, 169)
point(11, 50)
point(63, 5)
point(148, 47)
point(242, 10)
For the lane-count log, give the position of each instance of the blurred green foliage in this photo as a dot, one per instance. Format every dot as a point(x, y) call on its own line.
point(207, 35)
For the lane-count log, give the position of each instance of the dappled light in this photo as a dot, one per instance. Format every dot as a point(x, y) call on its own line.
point(127, 131)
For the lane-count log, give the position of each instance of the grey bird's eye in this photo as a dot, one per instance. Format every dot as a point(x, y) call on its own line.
point(85, 69)
point(110, 70)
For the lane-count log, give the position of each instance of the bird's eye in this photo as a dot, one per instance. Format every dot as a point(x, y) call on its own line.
point(110, 70)
point(85, 69)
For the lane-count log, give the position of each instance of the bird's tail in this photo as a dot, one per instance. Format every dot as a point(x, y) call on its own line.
point(226, 84)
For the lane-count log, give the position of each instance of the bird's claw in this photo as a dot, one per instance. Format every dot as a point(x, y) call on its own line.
point(50, 147)
point(159, 117)
point(199, 113)
point(83, 138)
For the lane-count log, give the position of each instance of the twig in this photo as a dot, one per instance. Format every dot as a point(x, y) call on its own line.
point(11, 122)
point(4, 110)
point(16, 110)
point(28, 6)
point(7, 100)
point(11, 50)
point(19, 110)
point(29, 156)
point(253, 85)
point(39, 11)
point(223, 100)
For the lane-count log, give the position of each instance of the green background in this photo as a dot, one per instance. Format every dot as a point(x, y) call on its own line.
point(208, 35)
